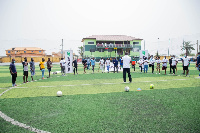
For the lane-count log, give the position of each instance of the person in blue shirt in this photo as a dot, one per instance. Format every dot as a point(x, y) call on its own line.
point(198, 63)
point(13, 72)
point(121, 63)
point(93, 63)
point(115, 62)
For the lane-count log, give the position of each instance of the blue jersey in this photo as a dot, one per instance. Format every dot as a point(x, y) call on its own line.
point(92, 62)
point(120, 60)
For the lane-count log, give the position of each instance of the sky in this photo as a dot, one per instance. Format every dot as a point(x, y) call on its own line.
point(44, 23)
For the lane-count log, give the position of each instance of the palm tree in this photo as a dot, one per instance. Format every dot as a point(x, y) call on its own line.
point(187, 47)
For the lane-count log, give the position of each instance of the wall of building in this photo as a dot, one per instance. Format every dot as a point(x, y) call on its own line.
point(36, 59)
point(98, 54)
point(19, 53)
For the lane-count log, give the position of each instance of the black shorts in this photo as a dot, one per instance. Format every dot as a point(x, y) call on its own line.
point(185, 67)
point(49, 69)
point(25, 73)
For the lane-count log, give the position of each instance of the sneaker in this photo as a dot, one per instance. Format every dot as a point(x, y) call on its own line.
point(43, 78)
point(159, 73)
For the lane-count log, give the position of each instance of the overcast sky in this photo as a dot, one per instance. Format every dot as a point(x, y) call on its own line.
point(43, 23)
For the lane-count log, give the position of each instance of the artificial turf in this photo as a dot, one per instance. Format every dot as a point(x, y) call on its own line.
point(89, 104)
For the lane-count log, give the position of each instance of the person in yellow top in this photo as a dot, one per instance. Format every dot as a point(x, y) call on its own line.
point(42, 67)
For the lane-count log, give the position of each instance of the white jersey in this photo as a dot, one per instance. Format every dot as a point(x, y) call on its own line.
point(152, 61)
point(101, 62)
point(186, 61)
point(164, 62)
point(174, 62)
point(62, 62)
point(146, 62)
point(158, 61)
point(26, 67)
point(140, 62)
point(107, 62)
point(126, 61)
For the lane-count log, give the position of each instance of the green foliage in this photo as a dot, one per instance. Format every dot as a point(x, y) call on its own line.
point(187, 47)
point(80, 51)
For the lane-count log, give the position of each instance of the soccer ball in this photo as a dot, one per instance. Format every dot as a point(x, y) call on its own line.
point(59, 93)
point(126, 88)
point(151, 86)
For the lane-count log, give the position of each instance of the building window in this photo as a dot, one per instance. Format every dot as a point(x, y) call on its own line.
point(39, 51)
point(8, 51)
point(24, 51)
point(135, 43)
point(90, 42)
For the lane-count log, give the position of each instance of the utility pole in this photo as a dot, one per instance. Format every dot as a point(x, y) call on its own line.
point(62, 49)
point(197, 47)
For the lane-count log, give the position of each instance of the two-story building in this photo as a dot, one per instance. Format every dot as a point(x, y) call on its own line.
point(111, 46)
point(25, 52)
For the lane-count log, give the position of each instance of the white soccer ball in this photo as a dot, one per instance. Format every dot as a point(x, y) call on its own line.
point(126, 88)
point(59, 93)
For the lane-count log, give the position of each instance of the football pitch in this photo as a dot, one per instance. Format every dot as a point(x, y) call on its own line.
point(98, 103)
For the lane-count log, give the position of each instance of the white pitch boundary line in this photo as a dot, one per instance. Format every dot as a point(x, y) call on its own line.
point(17, 123)
point(14, 122)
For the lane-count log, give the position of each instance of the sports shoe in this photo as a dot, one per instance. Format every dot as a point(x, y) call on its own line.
point(43, 78)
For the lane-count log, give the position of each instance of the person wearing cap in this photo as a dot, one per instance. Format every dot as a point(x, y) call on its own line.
point(32, 68)
point(13, 72)
point(42, 67)
point(198, 63)
point(126, 67)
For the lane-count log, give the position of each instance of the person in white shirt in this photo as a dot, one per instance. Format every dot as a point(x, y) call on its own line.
point(101, 64)
point(186, 62)
point(146, 64)
point(62, 65)
point(164, 61)
point(158, 61)
point(108, 64)
point(152, 61)
point(140, 62)
point(126, 67)
point(174, 62)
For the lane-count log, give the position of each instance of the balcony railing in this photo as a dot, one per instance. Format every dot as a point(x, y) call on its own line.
point(114, 46)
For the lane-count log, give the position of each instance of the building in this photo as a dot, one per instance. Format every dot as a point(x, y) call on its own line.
point(25, 52)
point(111, 46)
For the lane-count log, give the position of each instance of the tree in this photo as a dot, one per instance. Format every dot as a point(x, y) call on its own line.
point(80, 51)
point(157, 55)
point(187, 47)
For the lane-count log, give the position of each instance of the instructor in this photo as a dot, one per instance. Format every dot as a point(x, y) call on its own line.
point(126, 67)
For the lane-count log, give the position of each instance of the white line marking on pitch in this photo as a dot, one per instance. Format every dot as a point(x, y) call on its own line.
point(17, 123)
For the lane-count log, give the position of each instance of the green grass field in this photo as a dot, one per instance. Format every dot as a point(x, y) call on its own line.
point(98, 103)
